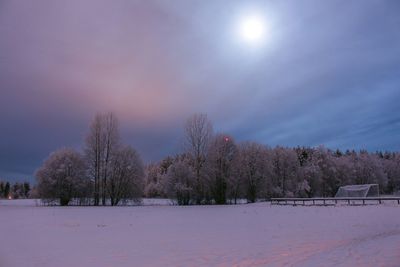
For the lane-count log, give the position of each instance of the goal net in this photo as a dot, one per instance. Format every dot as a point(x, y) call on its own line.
point(359, 190)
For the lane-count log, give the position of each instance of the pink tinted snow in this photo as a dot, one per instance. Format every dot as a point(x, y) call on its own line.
point(242, 235)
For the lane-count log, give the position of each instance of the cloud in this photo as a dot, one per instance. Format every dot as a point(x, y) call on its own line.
point(328, 75)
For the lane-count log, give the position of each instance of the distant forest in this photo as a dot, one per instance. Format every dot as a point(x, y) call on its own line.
point(15, 190)
point(212, 168)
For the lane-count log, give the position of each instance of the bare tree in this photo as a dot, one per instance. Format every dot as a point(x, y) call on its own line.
point(62, 176)
point(94, 151)
point(112, 142)
point(126, 179)
point(198, 133)
point(101, 142)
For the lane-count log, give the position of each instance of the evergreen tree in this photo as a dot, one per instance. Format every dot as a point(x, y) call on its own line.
point(26, 189)
point(7, 190)
point(1, 189)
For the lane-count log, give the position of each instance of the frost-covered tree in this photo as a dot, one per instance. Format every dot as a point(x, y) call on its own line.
point(62, 176)
point(285, 171)
point(391, 165)
point(198, 133)
point(180, 181)
point(344, 170)
point(154, 186)
point(303, 155)
point(312, 174)
point(253, 166)
point(126, 180)
point(368, 169)
point(220, 156)
point(328, 171)
point(165, 163)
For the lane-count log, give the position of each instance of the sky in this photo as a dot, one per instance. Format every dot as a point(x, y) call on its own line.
point(325, 73)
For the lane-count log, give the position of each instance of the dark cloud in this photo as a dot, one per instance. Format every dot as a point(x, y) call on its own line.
point(329, 74)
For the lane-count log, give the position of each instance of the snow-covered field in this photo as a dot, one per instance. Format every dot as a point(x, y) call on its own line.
point(241, 235)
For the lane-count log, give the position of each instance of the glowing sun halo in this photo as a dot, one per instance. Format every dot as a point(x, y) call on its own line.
point(252, 29)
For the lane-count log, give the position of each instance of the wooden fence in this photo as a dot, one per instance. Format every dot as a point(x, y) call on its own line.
point(333, 201)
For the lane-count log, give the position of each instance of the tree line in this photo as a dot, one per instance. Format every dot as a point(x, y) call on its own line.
point(15, 191)
point(212, 168)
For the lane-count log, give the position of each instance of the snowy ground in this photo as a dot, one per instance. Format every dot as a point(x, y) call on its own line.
point(242, 235)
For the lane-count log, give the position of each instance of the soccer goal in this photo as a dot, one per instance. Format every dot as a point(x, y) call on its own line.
point(359, 190)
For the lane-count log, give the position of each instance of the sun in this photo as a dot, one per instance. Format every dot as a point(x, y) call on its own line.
point(252, 29)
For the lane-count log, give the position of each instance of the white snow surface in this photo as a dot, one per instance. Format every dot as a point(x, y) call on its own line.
point(235, 235)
